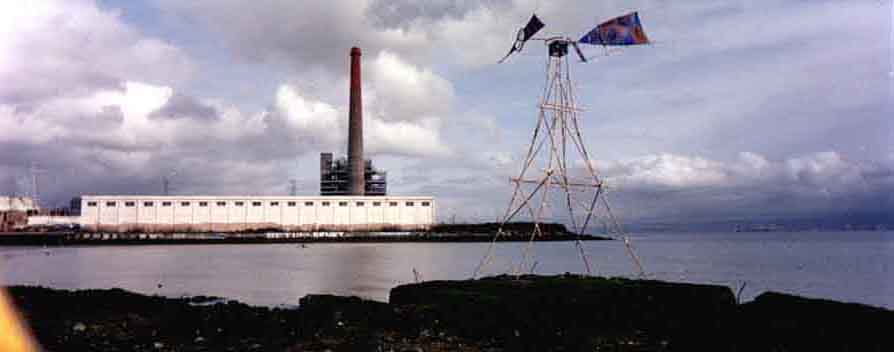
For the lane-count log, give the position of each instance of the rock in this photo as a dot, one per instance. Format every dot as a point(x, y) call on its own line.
point(329, 313)
point(529, 309)
point(778, 321)
point(527, 313)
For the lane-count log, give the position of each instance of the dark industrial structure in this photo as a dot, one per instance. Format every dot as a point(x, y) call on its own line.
point(352, 176)
point(335, 177)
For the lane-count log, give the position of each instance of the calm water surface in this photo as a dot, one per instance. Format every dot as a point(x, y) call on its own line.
point(847, 266)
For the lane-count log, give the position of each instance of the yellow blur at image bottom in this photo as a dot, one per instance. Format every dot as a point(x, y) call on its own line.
point(14, 336)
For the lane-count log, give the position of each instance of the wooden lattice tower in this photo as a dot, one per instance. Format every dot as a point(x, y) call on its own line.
point(558, 170)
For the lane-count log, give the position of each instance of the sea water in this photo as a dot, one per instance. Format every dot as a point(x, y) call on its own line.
point(844, 266)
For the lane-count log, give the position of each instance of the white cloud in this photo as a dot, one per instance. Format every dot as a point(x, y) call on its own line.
point(404, 92)
point(405, 138)
point(317, 119)
point(327, 124)
point(670, 171)
point(65, 48)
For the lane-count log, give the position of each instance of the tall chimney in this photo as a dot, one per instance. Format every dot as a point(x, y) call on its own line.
point(355, 128)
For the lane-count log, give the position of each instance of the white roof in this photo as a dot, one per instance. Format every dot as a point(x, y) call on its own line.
point(249, 197)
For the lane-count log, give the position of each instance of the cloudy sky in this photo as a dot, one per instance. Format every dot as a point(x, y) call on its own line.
point(740, 110)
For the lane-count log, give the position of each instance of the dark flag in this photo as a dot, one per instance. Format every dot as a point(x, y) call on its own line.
point(623, 30)
point(534, 25)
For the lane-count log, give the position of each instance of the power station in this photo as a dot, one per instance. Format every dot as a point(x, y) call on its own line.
point(353, 197)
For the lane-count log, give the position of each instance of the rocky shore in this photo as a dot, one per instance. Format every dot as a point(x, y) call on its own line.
point(527, 313)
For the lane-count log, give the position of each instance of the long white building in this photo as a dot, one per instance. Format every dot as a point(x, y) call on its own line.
point(245, 213)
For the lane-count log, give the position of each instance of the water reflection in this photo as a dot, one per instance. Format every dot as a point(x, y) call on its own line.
point(845, 266)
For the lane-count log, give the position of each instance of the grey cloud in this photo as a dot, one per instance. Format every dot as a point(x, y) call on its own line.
point(810, 187)
point(184, 106)
point(299, 35)
point(401, 14)
point(110, 115)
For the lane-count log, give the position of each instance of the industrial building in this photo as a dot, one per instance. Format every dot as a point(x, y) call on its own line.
point(14, 212)
point(335, 178)
point(353, 198)
point(22, 204)
point(240, 213)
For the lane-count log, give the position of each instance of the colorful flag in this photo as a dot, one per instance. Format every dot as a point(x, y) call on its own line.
point(623, 30)
point(534, 25)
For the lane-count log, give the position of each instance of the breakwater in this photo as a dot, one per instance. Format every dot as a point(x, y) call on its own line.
point(513, 232)
point(78, 238)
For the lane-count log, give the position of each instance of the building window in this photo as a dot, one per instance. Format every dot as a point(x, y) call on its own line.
point(221, 204)
point(325, 204)
point(91, 204)
point(130, 204)
point(239, 204)
point(292, 204)
point(110, 204)
point(409, 204)
point(165, 204)
point(274, 204)
point(148, 204)
point(377, 204)
point(425, 204)
point(359, 204)
point(256, 204)
point(342, 204)
point(184, 204)
point(203, 204)
point(308, 204)
point(392, 204)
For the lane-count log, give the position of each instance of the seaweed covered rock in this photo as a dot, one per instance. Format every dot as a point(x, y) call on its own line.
point(781, 322)
point(356, 323)
point(506, 313)
point(118, 320)
point(539, 312)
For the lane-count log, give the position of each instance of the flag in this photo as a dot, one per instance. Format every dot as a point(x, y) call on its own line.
point(534, 25)
point(623, 30)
